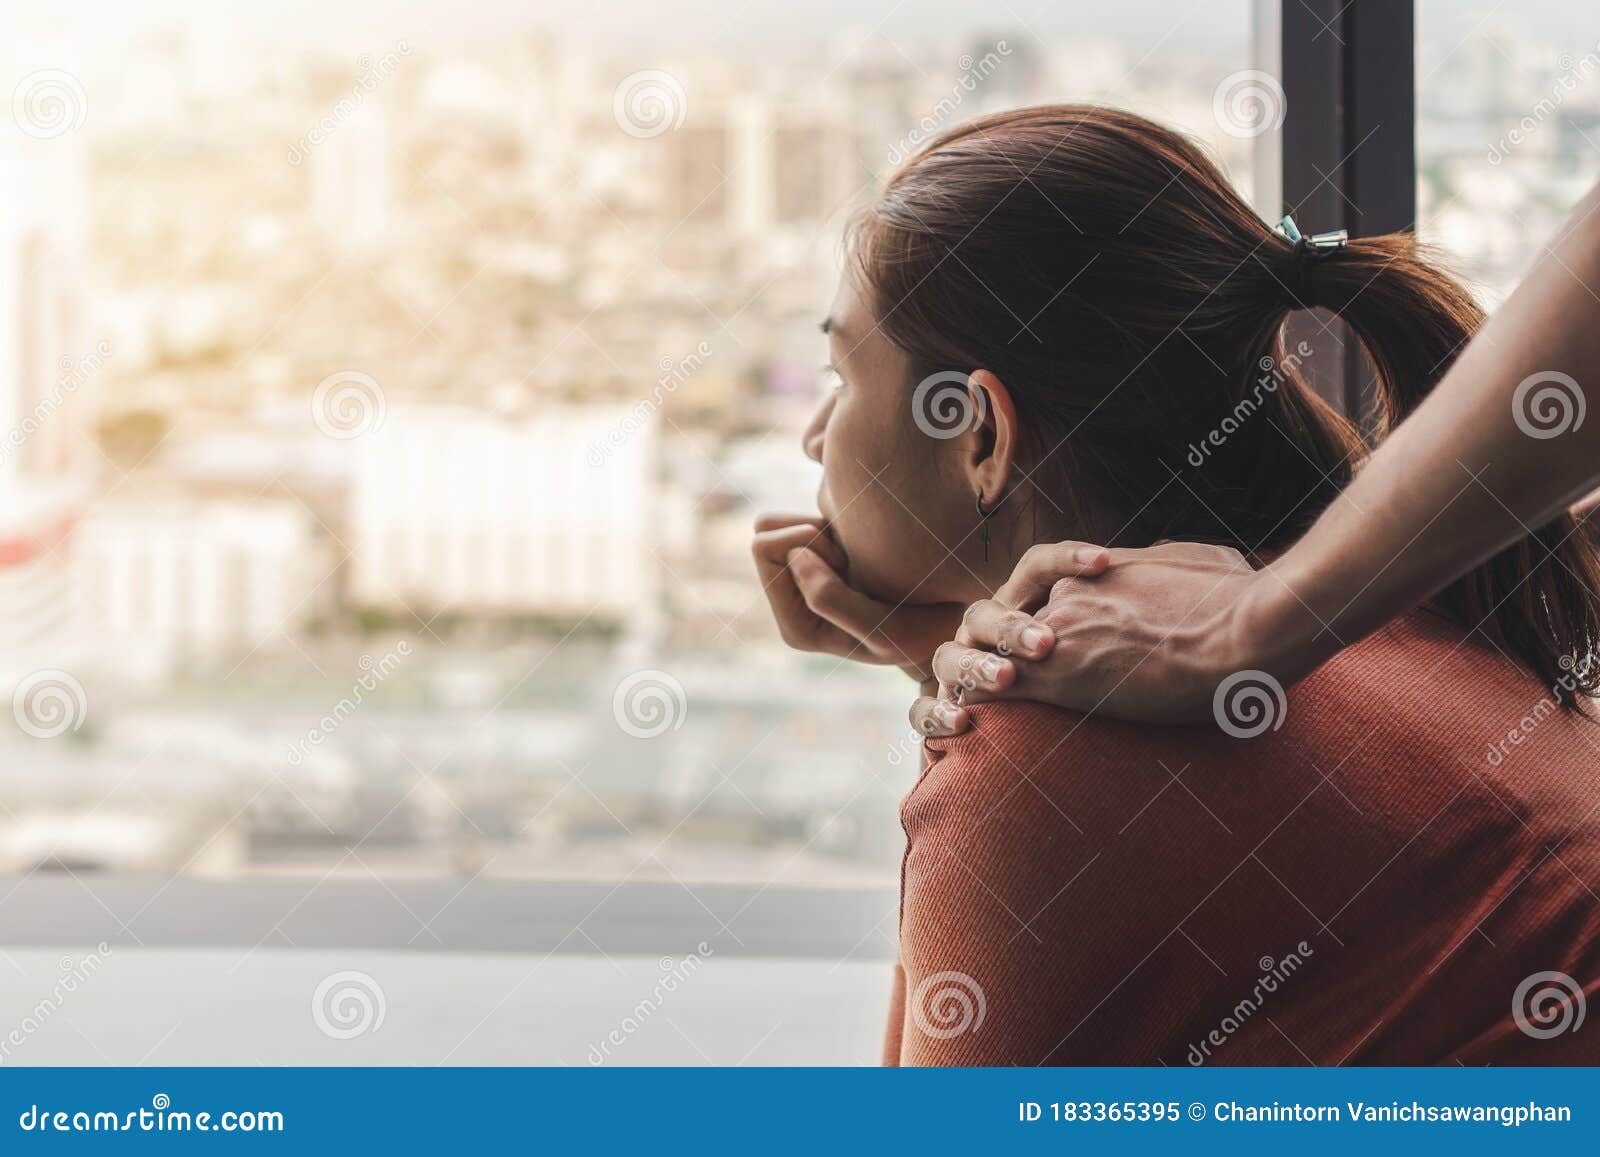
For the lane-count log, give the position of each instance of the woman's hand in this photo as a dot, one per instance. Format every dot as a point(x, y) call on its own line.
point(1145, 634)
point(800, 566)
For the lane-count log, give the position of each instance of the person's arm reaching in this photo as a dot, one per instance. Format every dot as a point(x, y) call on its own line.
point(1499, 448)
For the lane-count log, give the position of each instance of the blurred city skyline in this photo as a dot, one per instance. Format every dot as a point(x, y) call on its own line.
point(388, 392)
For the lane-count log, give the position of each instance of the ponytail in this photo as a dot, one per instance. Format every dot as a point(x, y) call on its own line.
point(1536, 600)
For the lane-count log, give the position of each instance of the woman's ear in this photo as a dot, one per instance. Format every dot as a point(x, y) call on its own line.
point(992, 464)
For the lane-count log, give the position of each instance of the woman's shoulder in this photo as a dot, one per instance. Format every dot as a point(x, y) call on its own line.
point(1401, 715)
point(1033, 767)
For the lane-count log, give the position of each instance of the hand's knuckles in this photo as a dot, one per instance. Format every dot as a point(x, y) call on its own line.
point(1032, 556)
point(1065, 588)
point(1009, 635)
point(947, 661)
point(826, 596)
point(1051, 559)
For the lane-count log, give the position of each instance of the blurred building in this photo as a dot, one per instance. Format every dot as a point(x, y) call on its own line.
point(46, 383)
point(457, 511)
point(350, 178)
point(754, 163)
point(172, 581)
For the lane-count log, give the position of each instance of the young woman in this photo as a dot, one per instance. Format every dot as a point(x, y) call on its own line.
point(1412, 828)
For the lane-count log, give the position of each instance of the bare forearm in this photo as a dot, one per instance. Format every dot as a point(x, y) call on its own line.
point(1463, 477)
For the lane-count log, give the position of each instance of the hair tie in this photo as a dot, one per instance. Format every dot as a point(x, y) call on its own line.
point(1307, 251)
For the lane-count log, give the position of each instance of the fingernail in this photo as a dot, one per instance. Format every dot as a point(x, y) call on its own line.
point(990, 669)
point(1089, 555)
point(1033, 638)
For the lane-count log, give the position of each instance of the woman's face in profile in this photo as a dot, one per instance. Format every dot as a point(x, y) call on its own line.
point(893, 494)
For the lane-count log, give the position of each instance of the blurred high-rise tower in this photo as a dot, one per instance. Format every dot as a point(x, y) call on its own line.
point(47, 357)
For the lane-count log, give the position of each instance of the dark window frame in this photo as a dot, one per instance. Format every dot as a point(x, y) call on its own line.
point(1348, 69)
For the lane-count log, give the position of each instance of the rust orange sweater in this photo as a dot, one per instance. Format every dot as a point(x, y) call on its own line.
point(1411, 856)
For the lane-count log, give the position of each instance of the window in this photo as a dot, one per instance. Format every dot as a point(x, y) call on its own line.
point(397, 393)
point(387, 396)
point(1508, 130)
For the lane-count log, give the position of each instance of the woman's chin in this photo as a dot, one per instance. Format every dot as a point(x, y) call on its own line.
point(889, 589)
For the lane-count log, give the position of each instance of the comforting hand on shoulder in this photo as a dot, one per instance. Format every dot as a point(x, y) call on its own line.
point(1146, 633)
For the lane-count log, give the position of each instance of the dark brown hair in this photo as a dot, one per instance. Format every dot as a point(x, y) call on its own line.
point(1134, 306)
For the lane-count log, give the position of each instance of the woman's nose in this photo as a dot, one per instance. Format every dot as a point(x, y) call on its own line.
point(811, 440)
